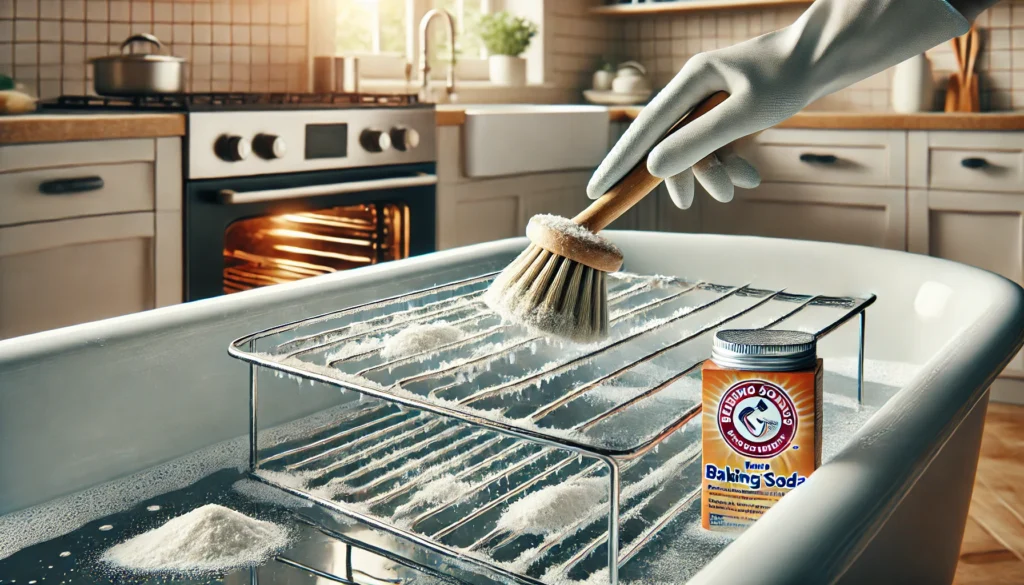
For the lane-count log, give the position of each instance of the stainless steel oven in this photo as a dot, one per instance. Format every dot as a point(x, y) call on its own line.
point(278, 195)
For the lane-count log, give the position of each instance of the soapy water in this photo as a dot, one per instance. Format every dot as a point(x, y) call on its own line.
point(842, 415)
point(675, 551)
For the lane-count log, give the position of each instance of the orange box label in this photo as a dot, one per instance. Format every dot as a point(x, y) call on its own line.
point(761, 438)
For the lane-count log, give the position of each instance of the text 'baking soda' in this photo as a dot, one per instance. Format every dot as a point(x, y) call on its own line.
point(761, 423)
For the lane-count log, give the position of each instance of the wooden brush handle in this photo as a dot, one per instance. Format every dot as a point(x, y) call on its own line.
point(639, 181)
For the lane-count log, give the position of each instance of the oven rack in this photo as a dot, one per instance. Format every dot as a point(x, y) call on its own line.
point(494, 402)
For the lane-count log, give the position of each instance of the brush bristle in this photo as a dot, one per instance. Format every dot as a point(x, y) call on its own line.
point(552, 295)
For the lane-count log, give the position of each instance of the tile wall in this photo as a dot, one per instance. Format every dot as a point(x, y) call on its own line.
point(230, 45)
point(575, 41)
point(665, 42)
point(260, 45)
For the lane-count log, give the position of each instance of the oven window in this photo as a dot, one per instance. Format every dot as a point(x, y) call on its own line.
point(282, 248)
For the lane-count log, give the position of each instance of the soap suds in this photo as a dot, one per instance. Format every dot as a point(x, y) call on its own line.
point(554, 507)
point(888, 373)
point(207, 539)
point(420, 338)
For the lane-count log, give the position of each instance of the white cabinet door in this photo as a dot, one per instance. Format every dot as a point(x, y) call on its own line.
point(985, 230)
point(966, 161)
point(471, 212)
point(61, 273)
point(870, 216)
point(828, 157)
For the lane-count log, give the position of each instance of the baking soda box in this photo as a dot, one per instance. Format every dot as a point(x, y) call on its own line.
point(761, 439)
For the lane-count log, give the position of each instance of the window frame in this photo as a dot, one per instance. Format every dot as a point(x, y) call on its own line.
point(377, 66)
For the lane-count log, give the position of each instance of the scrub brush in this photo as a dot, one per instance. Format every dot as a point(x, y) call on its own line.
point(557, 285)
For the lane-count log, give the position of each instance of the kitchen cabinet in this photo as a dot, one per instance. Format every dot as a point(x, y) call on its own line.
point(966, 204)
point(471, 211)
point(869, 216)
point(88, 230)
point(824, 185)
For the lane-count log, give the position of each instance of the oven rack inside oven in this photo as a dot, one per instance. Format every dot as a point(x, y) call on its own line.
point(474, 423)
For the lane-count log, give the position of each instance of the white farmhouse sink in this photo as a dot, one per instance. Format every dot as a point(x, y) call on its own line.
point(500, 139)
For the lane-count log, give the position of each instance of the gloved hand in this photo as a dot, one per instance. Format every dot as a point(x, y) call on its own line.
point(835, 43)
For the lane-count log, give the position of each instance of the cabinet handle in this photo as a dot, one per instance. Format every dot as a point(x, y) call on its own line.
point(825, 159)
point(973, 163)
point(68, 186)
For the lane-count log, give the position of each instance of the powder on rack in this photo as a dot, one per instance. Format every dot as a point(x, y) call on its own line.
point(420, 338)
point(554, 507)
point(209, 538)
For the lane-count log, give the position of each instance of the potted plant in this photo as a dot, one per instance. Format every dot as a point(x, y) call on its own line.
point(506, 37)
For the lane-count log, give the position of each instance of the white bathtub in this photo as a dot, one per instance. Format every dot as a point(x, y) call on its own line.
point(88, 404)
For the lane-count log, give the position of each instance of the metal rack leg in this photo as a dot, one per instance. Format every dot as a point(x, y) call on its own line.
point(860, 360)
point(253, 448)
point(613, 520)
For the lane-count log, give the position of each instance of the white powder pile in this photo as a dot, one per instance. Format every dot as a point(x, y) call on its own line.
point(554, 507)
point(440, 490)
point(420, 338)
point(575, 230)
point(209, 538)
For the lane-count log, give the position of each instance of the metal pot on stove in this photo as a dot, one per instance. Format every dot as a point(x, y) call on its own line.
point(135, 74)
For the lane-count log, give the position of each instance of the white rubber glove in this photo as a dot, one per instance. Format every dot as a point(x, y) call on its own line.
point(835, 43)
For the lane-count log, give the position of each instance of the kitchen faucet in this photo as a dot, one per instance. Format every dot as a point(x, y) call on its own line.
point(424, 57)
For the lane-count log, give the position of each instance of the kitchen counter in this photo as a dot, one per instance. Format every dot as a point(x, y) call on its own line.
point(456, 116)
point(61, 127)
point(881, 120)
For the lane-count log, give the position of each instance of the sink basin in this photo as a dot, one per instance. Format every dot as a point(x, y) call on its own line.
point(511, 139)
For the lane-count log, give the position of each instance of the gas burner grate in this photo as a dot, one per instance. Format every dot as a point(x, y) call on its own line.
point(500, 413)
point(217, 101)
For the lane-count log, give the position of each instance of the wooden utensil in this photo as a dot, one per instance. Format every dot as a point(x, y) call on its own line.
point(970, 81)
point(952, 93)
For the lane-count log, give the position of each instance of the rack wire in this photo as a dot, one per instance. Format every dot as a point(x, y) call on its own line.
point(500, 413)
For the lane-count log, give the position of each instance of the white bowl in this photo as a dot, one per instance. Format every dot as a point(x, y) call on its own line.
point(614, 98)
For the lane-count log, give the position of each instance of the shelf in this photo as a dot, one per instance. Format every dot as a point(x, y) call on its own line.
point(689, 6)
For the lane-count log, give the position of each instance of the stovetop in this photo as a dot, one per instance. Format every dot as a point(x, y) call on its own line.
point(233, 101)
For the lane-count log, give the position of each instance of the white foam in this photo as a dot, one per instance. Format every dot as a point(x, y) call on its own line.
point(888, 373)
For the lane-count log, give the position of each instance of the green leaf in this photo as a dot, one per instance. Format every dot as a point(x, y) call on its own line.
point(504, 34)
point(6, 82)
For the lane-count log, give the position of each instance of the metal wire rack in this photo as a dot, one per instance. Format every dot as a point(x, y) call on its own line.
point(468, 426)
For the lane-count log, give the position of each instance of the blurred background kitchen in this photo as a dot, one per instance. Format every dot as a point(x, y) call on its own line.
point(269, 45)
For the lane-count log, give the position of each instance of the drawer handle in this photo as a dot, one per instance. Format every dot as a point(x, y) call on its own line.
point(825, 159)
point(974, 163)
point(68, 186)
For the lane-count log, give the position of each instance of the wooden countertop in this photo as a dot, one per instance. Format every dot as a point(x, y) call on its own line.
point(881, 121)
point(60, 127)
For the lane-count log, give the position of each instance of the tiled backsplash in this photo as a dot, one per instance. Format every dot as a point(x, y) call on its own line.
point(576, 40)
point(260, 45)
point(665, 42)
point(230, 45)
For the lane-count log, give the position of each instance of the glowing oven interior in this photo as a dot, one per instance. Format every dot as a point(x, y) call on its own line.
point(283, 248)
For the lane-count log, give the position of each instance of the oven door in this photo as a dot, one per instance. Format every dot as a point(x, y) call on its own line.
point(244, 233)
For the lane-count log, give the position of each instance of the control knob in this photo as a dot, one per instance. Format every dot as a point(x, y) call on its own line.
point(375, 140)
point(268, 146)
point(405, 138)
point(232, 148)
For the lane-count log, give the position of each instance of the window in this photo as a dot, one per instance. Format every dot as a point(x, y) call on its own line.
point(384, 35)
